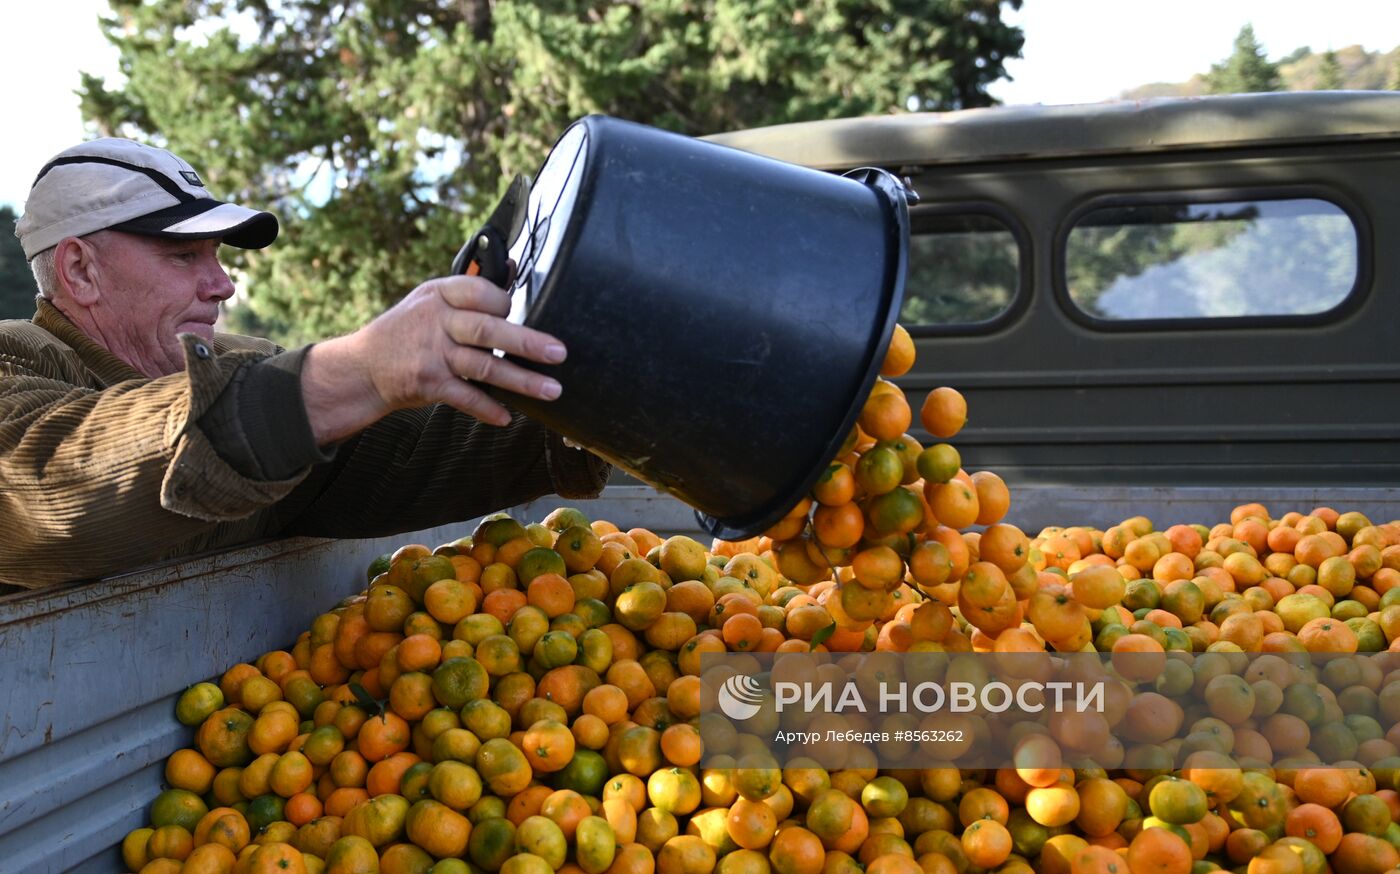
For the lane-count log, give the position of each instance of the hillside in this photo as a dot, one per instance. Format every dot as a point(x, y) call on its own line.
point(1301, 70)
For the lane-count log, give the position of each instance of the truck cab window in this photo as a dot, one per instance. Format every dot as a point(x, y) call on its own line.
point(964, 269)
point(1211, 261)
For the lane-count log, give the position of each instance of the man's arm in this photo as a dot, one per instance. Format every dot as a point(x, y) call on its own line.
point(430, 466)
point(94, 482)
point(426, 462)
point(421, 352)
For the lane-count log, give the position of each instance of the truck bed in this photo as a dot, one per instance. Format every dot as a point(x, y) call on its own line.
point(90, 672)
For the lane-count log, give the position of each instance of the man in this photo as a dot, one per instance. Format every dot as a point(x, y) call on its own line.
point(131, 432)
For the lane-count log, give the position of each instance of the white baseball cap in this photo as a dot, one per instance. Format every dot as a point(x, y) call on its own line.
point(119, 184)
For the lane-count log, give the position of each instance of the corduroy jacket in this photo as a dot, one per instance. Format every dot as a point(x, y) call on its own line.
point(104, 470)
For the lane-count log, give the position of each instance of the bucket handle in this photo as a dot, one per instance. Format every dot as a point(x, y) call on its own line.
point(897, 189)
point(486, 254)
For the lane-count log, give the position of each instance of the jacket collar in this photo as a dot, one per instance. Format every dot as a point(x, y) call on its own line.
point(103, 364)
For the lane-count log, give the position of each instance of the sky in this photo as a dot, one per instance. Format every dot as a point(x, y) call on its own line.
point(1076, 51)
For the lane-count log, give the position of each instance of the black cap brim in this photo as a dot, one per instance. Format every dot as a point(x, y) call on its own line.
point(206, 219)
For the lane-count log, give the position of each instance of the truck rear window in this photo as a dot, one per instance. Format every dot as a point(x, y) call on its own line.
point(1224, 260)
point(964, 269)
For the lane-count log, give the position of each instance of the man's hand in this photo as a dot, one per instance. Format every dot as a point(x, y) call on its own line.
point(423, 351)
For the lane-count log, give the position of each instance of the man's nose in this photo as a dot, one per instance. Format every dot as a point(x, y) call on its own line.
point(216, 284)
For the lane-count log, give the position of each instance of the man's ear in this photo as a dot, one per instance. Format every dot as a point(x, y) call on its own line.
point(75, 262)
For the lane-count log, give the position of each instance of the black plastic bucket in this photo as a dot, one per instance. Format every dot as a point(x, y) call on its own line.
point(726, 314)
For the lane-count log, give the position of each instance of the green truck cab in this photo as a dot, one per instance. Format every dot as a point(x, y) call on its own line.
point(1176, 304)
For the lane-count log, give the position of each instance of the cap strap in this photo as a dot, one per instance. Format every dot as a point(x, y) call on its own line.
point(158, 177)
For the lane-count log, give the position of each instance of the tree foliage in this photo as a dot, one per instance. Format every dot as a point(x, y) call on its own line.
point(1247, 70)
point(1329, 73)
point(17, 289)
point(1353, 68)
point(383, 131)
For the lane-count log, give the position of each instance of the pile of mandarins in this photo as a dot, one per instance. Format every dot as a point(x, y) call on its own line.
point(525, 700)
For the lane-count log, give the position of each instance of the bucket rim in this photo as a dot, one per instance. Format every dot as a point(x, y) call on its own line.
point(893, 196)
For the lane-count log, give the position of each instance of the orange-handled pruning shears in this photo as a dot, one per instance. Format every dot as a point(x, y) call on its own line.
point(487, 253)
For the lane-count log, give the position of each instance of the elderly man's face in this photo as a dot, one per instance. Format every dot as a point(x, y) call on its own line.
point(154, 289)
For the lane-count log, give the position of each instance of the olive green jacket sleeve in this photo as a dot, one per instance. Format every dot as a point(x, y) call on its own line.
point(419, 468)
point(104, 471)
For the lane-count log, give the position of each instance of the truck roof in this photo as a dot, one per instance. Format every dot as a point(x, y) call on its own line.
point(1038, 132)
